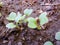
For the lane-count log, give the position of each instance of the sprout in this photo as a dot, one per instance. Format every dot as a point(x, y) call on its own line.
point(43, 18)
point(18, 17)
point(57, 36)
point(48, 43)
point(12, 16)
point(28, 12)
point(32, 22)
point(10, 25)
point(23, 17)
point(15, 17)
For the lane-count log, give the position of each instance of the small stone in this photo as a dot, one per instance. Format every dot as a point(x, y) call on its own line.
point(36, 43)
point(1, 3)
point(23, 38)
point(48, 6)
point(40, 38)
point(22, 28)
point(19, 43)
point(9, 43)
point(0, 14)
point(11, 38)
point(40, 11)
point(5, 41)
point(57, 42)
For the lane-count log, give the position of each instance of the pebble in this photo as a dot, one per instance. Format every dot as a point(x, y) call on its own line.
point(19, 43)
point(57, 42)
point(36, 43)
point(11, 38)
point(48, 7)
point(5, 41)
point(9, 43)
point(40, 11)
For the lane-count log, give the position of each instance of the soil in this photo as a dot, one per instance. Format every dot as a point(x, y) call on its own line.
point(25, 35)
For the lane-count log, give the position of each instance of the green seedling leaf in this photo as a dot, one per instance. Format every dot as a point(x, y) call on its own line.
point(23, 17)
point(57, 36)
point(18, 13)
point(18, 17)
point(28, 11)
point(10, 25)
point(32, 25)
point(43, 18)
point(31, 22)
point(48, 43)
point(12, 16)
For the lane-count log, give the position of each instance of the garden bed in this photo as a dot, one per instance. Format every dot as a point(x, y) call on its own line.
point(26, 35)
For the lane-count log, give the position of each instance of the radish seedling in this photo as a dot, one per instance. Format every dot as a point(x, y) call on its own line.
point(48, 43)
point(32, 22)
point(43, 18)
point(18, 18)
point(11, 16)
point(57, 36)
point(10, 25)
point(28, 12)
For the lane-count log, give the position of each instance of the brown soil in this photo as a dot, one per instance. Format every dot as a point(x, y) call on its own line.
point(28, 36)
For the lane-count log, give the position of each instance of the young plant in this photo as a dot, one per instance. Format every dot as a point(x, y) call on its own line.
point(28, 12)
point(11, 16)
point(32, 22)
point(10, 25)
point(14, 17)
point(48, 43)
point(18, 18)
point(43, 18)
point(57, 36)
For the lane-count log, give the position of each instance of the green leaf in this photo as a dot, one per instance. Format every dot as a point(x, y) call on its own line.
point(11, 16)
point(48, 43)
point(31, 22)
point(28, 12)
point(19, 15)
point(23, 17)
point(43, 18)
point(57, 36)
point(10, 25)
point(31, 19)
point(32, 25)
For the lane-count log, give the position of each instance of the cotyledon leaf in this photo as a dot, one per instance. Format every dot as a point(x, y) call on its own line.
point(11, 16)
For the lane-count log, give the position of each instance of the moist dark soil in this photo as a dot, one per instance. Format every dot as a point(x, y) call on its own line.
point(25, 35)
